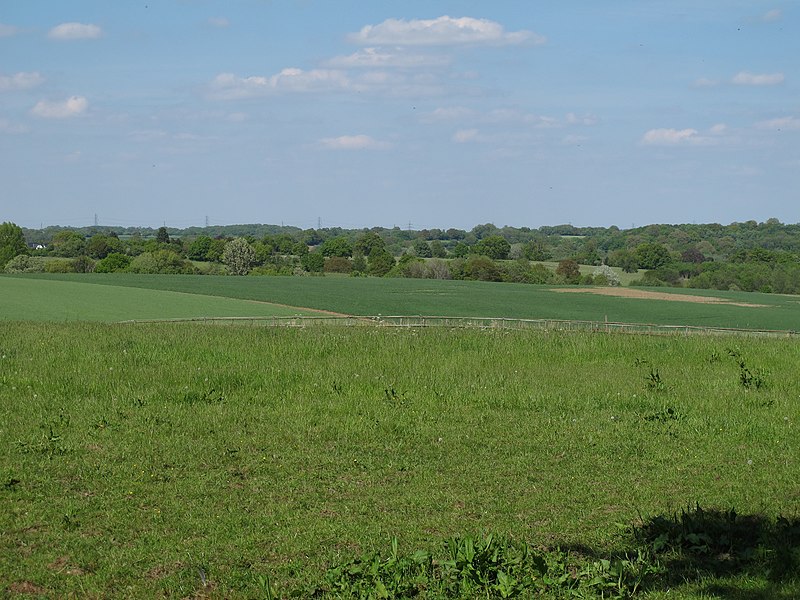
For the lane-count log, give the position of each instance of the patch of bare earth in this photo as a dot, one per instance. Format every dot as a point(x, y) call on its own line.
point(622, 292)
point(25, 587)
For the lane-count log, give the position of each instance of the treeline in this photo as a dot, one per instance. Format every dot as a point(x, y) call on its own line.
point(747, 256)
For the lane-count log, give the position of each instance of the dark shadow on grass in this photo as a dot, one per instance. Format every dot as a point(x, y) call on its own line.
point(720, 544)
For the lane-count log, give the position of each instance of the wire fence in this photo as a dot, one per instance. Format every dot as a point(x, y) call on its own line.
point(489, 323)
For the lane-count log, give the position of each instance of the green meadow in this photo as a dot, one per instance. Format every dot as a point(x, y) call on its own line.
point(373, 296)
point(174, 460)
point(56, 300)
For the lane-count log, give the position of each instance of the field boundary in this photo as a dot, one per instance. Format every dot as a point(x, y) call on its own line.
point(475, 323)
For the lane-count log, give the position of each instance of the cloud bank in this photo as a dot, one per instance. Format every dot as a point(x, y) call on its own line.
point(71, 107)
point(353, 142)
point(20, 81)
point(442, 31)
point(75, 31)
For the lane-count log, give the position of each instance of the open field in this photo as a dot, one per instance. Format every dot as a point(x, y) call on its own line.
point(55, 300)
point(372, 296)
point(184, 461)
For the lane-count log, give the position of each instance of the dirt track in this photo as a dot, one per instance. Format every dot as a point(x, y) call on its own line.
point(627, 292)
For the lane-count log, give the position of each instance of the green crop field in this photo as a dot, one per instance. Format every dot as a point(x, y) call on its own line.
point(176, 460)
point(56, 300)
point(373, 296)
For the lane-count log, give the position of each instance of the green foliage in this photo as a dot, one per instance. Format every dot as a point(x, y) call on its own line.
point(160, 262)
point(313, 262)
point(113, 263)
point(569, 271)
point(338, 246)
point(12, 242)
point(437, 249)
point(368, 243)
point(162, 236)
point(482, 268)
point(380, 263)
point(422, 249)
point(68, 243)
point(22, 263)
point(238, 256)
point(652, 255)
point(338, 264)
point(495, 247)
point(200, 248)
point(100, 245)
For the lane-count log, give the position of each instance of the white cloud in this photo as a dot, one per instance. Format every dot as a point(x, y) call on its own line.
point(670, 137)
point(71, 107)
point(380, 58)
point(781, 123)
point(7, 30)
point(462, 136)
point(776, 14)
point(228, 86)
point(441, 31)
point(20, 81)
point(747, 78)
point(718, 129)
point(75, 31)
point(220, 22)
point(353, 142)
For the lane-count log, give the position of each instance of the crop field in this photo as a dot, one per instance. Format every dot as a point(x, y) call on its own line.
point(176, 460)
point(55, 300)
point(373, 296)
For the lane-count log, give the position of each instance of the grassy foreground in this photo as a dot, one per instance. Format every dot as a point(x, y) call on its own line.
point(186, 461)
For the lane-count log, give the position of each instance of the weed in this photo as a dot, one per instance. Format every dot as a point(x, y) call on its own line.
point(749, 379)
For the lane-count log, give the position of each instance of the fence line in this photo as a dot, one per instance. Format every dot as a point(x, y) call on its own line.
point(476, 323)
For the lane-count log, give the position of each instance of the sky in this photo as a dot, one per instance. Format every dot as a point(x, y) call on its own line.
point(415, 114)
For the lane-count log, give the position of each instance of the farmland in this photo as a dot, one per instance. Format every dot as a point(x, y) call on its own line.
point(373, 296)
point(172, 459)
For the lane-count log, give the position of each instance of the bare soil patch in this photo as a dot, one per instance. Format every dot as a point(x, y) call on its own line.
point(626, 292)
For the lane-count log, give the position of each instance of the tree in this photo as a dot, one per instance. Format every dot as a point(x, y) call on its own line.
point(536, 250)
point(437, 249)
point(421, 249)
point(569, 271)
point(495, 247)
point(199, 248)
point(238, 256)
point(482, 268)
point(652, 255)
point(100, 246)
point(162, 235)
point(68, 244)
point(380, 263)
point(312, 262)
point(12, 242)
point(368, 243)
point(113, 263)
point(338, 246)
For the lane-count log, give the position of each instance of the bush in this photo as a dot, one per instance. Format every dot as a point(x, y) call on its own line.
point(605, 275)
point(113, 263)
point(337, 264)
point(59, 266)
point(22, 263)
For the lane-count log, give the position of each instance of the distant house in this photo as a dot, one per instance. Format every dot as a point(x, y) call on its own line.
point(36, 246)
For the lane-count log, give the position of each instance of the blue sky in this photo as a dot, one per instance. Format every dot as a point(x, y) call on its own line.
point(435, 114)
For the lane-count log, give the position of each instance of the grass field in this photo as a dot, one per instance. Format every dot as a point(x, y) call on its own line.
point(183, 461)
point(372, 296)
point(56, 300)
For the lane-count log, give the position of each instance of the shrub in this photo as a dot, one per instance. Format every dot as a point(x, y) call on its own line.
point(113, 263)
point(337, 264)
point(22, 263)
